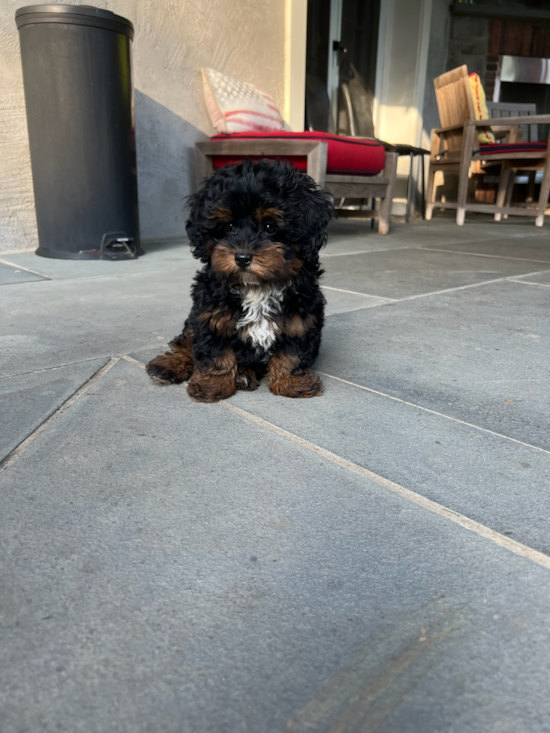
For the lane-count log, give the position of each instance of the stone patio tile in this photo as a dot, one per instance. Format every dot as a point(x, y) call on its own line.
point(442, 227)
point(406, 272)
point(500, 483)
point(52, 323)
point(29, 399)
point(480, 227)
point(10, 275)
point(174, 567)
point(479, 355)
point(531, 248)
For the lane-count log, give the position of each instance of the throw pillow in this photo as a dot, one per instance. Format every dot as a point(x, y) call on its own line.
point(484, 134)
point(236, 106)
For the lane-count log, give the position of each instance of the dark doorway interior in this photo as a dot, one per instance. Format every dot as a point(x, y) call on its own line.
point(359, 37)
point(360, 19)
point(318, 29)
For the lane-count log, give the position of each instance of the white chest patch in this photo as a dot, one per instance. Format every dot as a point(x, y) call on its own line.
point(258, 324)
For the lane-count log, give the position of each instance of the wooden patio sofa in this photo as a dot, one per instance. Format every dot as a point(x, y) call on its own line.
point(380, 186)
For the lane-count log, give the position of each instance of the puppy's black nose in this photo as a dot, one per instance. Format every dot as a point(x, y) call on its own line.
point(243, 259)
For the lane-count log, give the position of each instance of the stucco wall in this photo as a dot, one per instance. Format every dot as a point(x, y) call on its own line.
point(174, 38)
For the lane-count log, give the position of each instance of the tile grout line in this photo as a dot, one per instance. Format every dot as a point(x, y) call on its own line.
point(433, 412)
point(470, 524)
point(465, 287)
point(131, 360)
point(526, 282)
point(26, 269)
point(507, 278)
point(22, 447)
point(52, 368)
point(363, 295)
point(82, 361)
point(366, 251)
point(482, 254)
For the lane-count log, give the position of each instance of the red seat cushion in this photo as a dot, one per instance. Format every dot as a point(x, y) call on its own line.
point(346, 155)
point(512, 148)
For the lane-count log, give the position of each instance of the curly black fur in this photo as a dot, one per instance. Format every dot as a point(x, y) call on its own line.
point(275, 219)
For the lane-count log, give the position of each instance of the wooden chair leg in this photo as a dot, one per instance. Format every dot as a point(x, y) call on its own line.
point(435, 149)
point(390, 172)
point(510, 191)
point(531, 187)
point(410, 181)
point(463, 176)
point(503, 187)
point(317, 163)
point(431, 193)
point(423, 182)
point(544, 189)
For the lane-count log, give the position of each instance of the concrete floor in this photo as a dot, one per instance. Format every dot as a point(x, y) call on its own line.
point(374, 560)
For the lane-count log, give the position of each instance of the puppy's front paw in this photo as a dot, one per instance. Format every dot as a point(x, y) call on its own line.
point(170, 369)
point(208, 388)
point(305, 384)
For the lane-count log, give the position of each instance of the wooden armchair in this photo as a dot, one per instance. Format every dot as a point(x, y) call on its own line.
point(455, 148)
point(379, 186)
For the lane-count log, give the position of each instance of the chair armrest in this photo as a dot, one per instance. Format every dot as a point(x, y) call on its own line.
point(451, 128)
point(511, 121)
point(267, 146)
point(313, 150)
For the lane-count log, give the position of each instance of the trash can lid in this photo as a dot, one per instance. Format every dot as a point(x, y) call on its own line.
point(76, 15)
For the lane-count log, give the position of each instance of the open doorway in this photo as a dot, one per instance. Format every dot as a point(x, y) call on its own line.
point(342, 46)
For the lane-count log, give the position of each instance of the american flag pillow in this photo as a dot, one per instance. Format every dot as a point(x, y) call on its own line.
point(236, 106)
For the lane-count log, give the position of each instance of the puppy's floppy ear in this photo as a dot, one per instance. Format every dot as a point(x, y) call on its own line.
point(196, 225)
point(315, 210)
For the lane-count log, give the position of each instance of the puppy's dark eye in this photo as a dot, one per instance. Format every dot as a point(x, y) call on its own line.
point(229, 227)
point(269, 227)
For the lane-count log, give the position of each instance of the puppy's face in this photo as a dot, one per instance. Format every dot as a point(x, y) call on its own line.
point(258, 222)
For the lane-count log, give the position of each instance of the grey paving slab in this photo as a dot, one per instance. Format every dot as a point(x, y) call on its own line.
point(58, 322)
point(357, 236)
point(541, 278)
point(10, 275)
point(170, 566)
point(444, 229)
point(484, 226)
point(497, 482)
point(164, 255)
point(29, 399)
point(479, 355)
point(530, 248)
point(442, 226)
point(406, 272)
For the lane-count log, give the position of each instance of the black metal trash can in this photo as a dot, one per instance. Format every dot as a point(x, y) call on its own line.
point(77, 73)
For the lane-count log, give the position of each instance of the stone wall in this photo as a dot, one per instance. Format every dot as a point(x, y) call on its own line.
point(468, 44)
point(479, 42)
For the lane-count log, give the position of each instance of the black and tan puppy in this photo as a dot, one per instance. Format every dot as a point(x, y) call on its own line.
point(257, 307)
